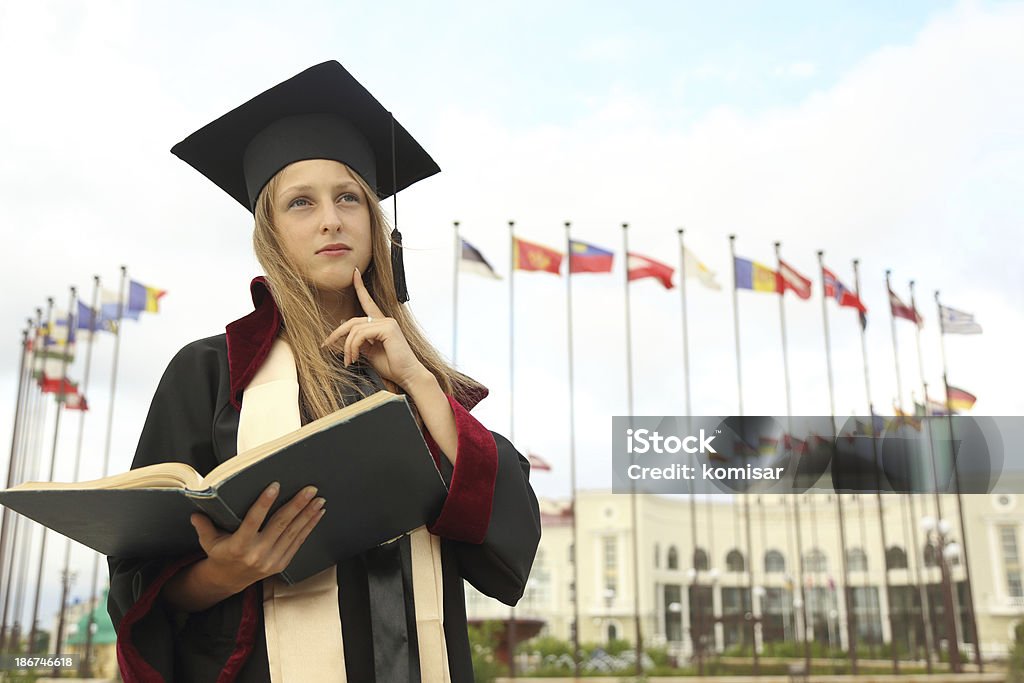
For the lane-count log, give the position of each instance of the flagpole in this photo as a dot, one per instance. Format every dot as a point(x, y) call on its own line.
point(632, 485)
point(27, 460)
point(959, 500)
point(572, 462)
point(899, 400)
point(746, 502)
point(73, 326)
point(11, 469)
point(53, 467)
point(914, 557)
point(510, 631)
point(695, 579)
point(110, 429)
point(455, 292)
point(842, 532)
point(952, 640)
point(878, 468)
point(73, 334)
point(736, 324)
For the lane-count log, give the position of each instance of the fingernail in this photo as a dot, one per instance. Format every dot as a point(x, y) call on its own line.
point(319, 503)
point(273, 489)
point(309, 492)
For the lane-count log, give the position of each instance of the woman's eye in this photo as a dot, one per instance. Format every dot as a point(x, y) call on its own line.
point(298, 202)
point(349, 197)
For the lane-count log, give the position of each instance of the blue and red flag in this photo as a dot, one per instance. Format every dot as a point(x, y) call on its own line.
point(586, 258)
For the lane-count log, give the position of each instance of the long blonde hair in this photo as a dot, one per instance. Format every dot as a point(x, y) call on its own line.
point(322, 377)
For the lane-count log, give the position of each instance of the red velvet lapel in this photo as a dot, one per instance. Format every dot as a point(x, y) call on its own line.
point(249, 339)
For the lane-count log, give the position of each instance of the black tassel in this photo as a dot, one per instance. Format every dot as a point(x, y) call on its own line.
point(398, 267)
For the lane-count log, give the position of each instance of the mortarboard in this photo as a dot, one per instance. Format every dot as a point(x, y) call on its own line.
point(321, 113)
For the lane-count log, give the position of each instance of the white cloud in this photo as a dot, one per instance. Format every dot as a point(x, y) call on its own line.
point(796, 70)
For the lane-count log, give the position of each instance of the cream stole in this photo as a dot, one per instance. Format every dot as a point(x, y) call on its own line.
point(303, 622)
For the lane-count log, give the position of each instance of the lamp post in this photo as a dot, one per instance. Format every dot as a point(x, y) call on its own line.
point(935, 531)
point(696, 607)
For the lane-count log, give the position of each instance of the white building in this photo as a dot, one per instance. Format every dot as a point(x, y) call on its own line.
point(680, 599)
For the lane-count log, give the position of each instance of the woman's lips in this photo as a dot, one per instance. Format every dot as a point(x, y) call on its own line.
point(340, 251)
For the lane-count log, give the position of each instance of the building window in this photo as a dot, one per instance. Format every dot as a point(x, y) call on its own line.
point(610, 565)
point(1011, 560)
point(774, 562)
point(673, 557)
point(657, 555)
point(856, 560)
point(700, 560)
point(613, 632)
point(895, 558)
point(734, 561)
point(869, 614)
point(815, 561)
point(673, 614)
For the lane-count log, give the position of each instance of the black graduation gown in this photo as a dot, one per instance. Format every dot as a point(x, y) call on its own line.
point(489, 532)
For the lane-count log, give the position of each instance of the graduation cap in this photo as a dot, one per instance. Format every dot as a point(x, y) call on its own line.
point(321, 113)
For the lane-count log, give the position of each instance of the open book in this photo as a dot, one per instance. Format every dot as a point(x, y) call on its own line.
point(368, 460)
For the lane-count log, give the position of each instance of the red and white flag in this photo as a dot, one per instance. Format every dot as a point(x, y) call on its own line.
point(641, 267)
point(537, 463)
point(901, 310)
point(787, 278)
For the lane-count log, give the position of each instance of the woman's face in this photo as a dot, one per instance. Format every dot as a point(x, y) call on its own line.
point(323, 218)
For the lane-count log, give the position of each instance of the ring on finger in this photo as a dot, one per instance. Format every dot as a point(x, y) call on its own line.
point(369, 318)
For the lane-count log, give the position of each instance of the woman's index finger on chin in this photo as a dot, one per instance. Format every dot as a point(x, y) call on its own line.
point(369, 305)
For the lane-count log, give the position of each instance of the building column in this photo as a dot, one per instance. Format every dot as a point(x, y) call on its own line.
point(844, 631)
point(684, 619)
point(716, 604)
point(883, 613)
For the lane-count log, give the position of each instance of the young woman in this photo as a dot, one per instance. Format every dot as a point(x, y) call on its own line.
point(309, 158)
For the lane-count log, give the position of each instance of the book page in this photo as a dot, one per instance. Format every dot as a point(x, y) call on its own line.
point(165, 475)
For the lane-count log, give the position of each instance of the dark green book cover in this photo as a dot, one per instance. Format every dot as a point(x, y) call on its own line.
point(373, 469)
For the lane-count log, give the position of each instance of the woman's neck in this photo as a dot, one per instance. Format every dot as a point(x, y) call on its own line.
point(339, 306)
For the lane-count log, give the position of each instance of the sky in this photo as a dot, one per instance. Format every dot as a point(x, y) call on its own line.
point(887, 132)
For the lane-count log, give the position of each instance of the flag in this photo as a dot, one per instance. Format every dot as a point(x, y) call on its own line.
point(537, 463)
point(953, 321)
point(472, 261)
point(766, 445)
point(959, 400)
point(755, 276)
point(641, 267)
point(75, 401)
point(49, 365)
point(931, 408)
point(845, 297)
point(110, 304)
point(586, 258)
point(142, 298)
point(56, 332)
point(530, 256)
point(788, 278)
point(901, 310)
point(85, 320)
point(694, 268)
point(907, 419)
point(56, 385)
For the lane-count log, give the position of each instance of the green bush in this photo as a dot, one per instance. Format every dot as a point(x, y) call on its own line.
point(1016, 663)
point(483, 640)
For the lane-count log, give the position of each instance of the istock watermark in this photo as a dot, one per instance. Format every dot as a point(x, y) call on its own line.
point(856, 454)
